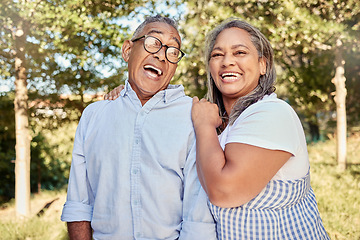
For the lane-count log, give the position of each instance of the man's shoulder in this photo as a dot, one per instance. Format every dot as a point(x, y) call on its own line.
point(182, 103)
point(176, 93)
point(95, 107)
point(185, 99)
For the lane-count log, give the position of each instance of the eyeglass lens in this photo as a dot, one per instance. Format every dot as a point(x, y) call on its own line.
point(153, 45)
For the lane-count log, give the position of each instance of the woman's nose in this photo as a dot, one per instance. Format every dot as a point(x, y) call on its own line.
point(228, 60)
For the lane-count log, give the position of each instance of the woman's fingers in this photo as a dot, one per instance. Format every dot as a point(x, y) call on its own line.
point(114, 94)
point(195, 99)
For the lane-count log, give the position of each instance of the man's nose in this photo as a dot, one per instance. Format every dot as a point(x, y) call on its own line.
point(161, 53)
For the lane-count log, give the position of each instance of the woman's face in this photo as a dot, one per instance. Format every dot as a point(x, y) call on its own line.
point(234, 64)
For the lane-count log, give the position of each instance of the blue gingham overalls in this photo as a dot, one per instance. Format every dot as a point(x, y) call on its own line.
point(282, 210)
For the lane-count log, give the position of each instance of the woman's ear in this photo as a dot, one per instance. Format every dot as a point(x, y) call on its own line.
point(126, 50)
point(262, 65)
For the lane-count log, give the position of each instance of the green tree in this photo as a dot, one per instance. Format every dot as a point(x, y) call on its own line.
point(304, 36)
point(326, 30)
point(35, 37)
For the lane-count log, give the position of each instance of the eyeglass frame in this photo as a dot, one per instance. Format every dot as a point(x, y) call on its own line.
point(162, 45)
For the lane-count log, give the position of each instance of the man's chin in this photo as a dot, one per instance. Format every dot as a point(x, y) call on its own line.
point(149, 91)
point(145, 88)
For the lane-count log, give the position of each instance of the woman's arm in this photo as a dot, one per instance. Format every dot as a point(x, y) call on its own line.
point(236, 175)
point(247, 171)
point(205, 117)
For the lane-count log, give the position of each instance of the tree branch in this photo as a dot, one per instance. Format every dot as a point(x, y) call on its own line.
point(6, 28)
point(5, 54)
point(34, 10)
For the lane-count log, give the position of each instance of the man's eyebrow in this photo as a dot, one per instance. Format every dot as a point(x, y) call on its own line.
point(160, 32)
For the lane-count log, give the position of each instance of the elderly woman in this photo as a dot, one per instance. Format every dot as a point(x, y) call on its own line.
point(256, 172)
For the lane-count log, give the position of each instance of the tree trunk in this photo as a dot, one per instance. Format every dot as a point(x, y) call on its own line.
point(314, 131)
point(22, 148)
point(340, 100)
point(38, 177)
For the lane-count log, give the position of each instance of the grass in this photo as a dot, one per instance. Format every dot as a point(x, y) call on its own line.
point(337, 193)
point(47, 226)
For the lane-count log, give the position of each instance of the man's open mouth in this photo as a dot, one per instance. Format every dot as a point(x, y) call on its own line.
point(153, 70)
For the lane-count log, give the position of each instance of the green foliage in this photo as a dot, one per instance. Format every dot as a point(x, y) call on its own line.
point(307, 55)
point(51, 148)
point(7, 147)
point(48, 172)
point(202, 16)
point(69, 44)
point(352, 70)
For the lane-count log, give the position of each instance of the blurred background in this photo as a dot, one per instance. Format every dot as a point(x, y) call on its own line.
point(58, 56)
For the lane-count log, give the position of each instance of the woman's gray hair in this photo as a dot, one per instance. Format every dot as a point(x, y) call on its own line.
point(151, 19)
point(266, 82)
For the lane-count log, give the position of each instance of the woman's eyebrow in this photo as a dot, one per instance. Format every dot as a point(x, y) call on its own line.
point(217, 48)
point(239, 45)
point(232, 47)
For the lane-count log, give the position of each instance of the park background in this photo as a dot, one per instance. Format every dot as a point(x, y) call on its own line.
point(56, 57)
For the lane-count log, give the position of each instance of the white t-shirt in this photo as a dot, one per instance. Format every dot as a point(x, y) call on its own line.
point(271, 123)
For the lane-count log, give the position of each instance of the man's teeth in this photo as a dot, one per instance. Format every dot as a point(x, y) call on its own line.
point(159, 72)
point(230, 75)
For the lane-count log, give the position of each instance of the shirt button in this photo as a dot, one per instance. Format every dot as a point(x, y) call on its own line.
point(137, 141)
point(135, 171)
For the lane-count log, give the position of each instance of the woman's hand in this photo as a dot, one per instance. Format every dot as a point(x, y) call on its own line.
point(114, 94)
point(205, 113)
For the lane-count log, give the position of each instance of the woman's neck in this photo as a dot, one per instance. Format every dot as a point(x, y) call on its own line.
point(228, 104)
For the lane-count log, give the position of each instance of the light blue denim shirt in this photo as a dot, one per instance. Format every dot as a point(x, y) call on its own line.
point(133, 172)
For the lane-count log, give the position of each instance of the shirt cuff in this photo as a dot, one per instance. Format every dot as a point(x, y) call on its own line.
point(198, 231)
point(76, 211)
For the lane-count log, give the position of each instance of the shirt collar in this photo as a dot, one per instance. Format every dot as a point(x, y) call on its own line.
point(171, 93)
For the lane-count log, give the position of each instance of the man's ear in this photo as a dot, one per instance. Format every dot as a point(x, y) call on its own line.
point(262, 62)
point(126, 49)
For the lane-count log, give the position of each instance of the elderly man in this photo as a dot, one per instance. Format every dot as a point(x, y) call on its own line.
point(133, 172)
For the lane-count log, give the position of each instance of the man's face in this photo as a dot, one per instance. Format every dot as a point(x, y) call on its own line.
point(150, 73)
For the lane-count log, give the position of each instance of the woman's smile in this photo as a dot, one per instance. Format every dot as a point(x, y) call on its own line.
point(228, 77)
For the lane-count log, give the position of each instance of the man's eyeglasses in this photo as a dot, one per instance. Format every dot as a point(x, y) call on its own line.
point(154, 45)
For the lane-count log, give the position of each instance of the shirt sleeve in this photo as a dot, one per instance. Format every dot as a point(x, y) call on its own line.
point(198, 222)
point(78, 205)
point(269, 125)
